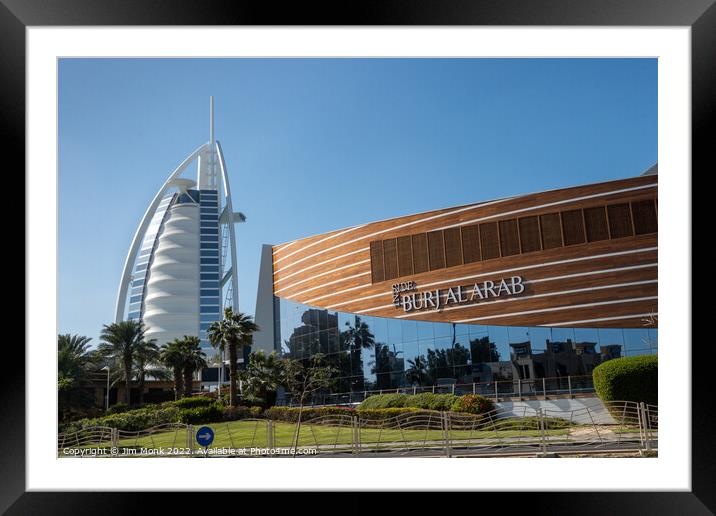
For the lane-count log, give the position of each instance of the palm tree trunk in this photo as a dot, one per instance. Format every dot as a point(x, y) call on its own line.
point(188, 381)
point(141, 388)
point(178, 383)
point(233, 401)
point(127, 379)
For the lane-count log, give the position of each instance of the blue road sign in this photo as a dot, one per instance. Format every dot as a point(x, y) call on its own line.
point(205, 436)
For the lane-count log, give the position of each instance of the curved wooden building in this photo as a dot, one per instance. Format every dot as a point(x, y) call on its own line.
point(584, 256)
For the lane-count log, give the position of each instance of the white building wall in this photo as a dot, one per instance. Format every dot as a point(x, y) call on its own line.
point(171, 308)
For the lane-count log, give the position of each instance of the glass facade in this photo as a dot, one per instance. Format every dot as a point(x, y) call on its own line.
point(209, 286)
point(374, 353)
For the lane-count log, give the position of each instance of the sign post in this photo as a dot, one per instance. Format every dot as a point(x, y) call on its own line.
point(205, 436)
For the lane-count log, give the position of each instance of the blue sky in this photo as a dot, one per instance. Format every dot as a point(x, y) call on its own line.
point(314, 145)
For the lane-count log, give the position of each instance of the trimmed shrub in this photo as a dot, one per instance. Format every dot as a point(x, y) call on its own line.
point(430, 401)
point(290, 414)
point(193, 402)
point(236, 413)
point(381, 401)
point(388, 413)
point(472, 404)
point(132, 420)
point(202, 414)
point(117, 408)
point(469, 403)
point(628, 379)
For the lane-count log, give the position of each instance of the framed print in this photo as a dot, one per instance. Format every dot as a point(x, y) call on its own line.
point(447, 216)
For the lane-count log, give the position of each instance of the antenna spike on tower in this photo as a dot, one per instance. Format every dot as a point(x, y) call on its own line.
point(211, 120)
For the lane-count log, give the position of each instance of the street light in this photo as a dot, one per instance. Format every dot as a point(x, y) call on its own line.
point(106, 405)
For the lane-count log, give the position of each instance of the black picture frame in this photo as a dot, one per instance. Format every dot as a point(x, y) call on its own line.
point(699, 15)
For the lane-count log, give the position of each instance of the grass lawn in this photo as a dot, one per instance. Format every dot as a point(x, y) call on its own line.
point(252, 434)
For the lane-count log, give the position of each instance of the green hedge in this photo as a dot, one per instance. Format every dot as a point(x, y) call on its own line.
point(381, 401)
point(290, 414)
point(117, 408)
point(202, 414)
point(193, 402)
point(132, 420)
point(469, 403)
point(628, 379)
point(472, 404)
point(143, 418)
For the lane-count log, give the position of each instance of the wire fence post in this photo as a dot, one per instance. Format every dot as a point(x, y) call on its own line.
point(643, 426)
point(496, 393)
point(569, 385)
point(544, 388)
point(114, 439)
point(446, 433)
point(355, 435)
point(519, 388)
point(543, 437)
point(190, 439)
point(473, 388)
point(269, 434)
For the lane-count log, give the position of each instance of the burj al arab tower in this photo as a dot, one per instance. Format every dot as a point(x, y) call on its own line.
point(180, 271)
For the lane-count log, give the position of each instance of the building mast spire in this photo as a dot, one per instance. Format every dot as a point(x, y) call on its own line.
point(211, 121)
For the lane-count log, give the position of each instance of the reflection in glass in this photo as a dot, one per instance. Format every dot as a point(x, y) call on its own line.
point(375, 353)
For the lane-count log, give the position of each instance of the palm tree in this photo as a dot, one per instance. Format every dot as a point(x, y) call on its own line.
point(418, 371)
point(193, 359)
point(358, 337)
point(234, 331)
point(263, 376)
point(146, 357)
point(74, 361)
point(171, 355)
point(120, 342)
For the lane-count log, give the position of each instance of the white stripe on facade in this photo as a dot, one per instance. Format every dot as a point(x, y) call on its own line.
point(281, 247)
point(321, 274)
point(556, 309)
point(464, 278)
point(331, 283)
point(599, 319)
point(319, 242)
point(365, 249)
point(503, 214)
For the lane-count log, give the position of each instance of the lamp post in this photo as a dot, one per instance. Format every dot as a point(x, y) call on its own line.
point(106, 404)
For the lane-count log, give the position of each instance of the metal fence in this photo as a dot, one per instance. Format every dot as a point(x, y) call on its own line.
point(615, 427)
point(497, 390)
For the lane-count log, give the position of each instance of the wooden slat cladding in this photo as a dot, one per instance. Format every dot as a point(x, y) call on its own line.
point(390, 258)
point(551, 225)
point(509, 237)
point(376, 261)
point(420, 253)
point(644, 216)
point(318, 248)
point(620, 224)
point(595, 223)
point(345, 270)
point(405, 256)
point(436, 250)
point(471, 244)
point(529, 234)
point(489, 241)
point(573, 227)
point(453, 247)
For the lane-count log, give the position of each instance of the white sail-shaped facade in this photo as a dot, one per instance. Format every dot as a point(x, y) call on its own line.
point(180, 271)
